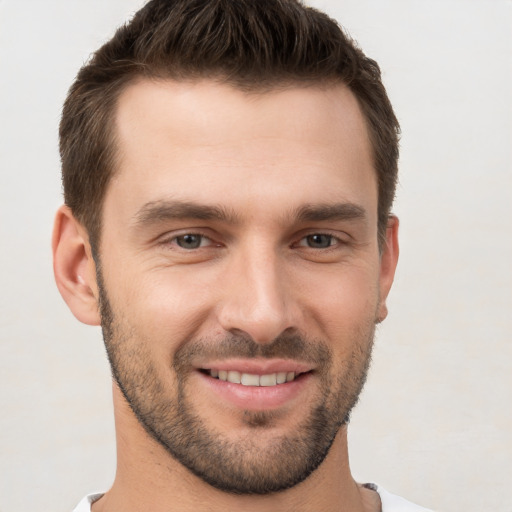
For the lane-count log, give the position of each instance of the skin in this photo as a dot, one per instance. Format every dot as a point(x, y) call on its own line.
point(262, 158)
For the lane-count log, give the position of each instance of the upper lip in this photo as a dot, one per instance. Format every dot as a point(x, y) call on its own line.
point(257, 366)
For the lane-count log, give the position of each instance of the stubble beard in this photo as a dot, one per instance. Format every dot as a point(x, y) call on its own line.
point(247, 465)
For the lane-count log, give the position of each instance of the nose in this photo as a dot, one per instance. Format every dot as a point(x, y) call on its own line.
point(258, 297)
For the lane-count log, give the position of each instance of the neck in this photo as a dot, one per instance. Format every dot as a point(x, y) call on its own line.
point(148, 478)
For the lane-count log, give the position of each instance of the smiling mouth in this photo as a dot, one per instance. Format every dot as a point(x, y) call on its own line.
point(250, 379)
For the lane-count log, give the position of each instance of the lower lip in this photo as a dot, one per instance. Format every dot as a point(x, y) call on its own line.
point(256, 398)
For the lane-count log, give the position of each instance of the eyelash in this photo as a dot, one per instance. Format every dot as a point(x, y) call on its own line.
point(334, 241)
point(173, 240)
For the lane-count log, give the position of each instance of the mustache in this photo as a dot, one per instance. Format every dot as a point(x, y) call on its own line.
point(288, 345)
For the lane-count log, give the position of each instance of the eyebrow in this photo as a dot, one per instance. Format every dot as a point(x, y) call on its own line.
point(330, 212)
point(164, 210)
point(159, 211)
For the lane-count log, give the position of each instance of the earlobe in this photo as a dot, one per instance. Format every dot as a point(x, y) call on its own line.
point(388, 262)
point(74, 267)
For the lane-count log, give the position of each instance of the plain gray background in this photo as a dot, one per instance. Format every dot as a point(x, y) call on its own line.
point(434, 423)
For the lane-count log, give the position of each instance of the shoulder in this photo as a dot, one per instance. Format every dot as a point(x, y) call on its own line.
point(87, 501)
point(394, 503)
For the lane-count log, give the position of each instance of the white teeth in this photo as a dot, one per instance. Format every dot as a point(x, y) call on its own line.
point(281, 378)
point(249, 379)
point(234, 377)
point(268, 380)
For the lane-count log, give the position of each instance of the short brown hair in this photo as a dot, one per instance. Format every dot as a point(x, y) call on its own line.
point(255, 45)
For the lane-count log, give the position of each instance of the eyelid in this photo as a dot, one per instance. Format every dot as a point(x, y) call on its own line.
point(303, 242)
point(204, 241)
point(338, 239)
point(169, 239)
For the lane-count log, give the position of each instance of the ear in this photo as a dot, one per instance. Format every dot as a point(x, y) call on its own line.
point(74, 267)
point(388, 262)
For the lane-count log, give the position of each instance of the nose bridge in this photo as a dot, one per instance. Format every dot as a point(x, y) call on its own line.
point(256, 299)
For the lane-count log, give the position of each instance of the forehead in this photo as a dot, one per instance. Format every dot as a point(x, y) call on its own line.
point(214, 113)
point(209, 142)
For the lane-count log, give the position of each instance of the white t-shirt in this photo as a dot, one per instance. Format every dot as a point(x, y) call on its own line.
point(390, 502)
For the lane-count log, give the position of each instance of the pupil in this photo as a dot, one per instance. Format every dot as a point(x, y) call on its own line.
point(319, 241)
point(189, 241)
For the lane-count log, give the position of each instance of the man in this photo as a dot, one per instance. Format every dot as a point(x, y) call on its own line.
point(229, 169)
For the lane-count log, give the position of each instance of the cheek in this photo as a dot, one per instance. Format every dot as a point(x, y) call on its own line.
point(166, 306)
point(345, 305)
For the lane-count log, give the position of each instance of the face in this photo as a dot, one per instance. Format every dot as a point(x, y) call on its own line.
point(240, 276)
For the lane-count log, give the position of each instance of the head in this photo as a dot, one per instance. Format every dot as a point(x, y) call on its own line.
point(229, 169)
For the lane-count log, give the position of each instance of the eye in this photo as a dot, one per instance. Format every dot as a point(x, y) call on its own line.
point(191, 241)
point(318, 241)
